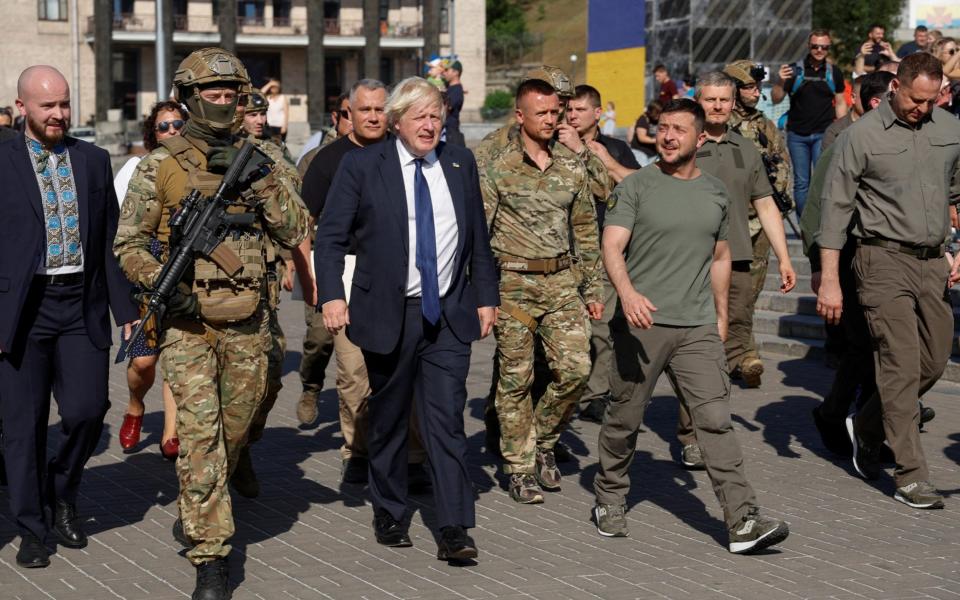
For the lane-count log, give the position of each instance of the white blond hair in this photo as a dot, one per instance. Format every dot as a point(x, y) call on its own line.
point(409, 92)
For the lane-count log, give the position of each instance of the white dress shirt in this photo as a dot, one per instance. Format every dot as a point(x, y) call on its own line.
point(444, 218)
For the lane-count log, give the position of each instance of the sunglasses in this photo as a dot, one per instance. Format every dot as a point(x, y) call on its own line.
point(164, 126)
point(819, 46)
point(952, 51)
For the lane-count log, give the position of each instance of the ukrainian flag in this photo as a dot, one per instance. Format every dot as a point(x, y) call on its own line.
point(616, 55)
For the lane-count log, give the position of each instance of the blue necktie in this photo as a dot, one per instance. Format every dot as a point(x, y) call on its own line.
point(426, 247)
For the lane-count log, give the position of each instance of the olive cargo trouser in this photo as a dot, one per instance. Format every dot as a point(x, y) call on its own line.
point(694, 359)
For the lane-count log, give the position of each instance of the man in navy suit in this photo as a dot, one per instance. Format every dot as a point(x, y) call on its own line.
point(425, 287)
point(58, 277)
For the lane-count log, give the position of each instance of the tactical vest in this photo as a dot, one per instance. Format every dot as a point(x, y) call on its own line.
point(223, 297)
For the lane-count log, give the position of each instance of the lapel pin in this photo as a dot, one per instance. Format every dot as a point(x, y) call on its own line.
point(456, 165)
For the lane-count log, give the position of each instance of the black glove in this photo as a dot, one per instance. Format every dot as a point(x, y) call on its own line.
point(183, 303)
point(219, 158)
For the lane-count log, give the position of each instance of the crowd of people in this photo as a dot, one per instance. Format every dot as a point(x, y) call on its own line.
point(597, 264)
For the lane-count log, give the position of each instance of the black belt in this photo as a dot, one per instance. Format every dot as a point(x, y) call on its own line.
point(921, 252)
point(61, 279)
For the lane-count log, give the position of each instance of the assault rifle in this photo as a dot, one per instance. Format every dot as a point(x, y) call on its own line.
point(771, 163)
point(197, 229)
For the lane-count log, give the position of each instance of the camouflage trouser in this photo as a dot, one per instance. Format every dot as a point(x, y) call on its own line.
point(218, 378)
point(276, 341)
point(565, 332)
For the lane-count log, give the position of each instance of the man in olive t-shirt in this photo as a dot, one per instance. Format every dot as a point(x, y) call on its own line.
point(671, 221)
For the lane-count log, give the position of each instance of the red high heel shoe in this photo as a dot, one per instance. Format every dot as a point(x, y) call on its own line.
point(170, 449)
point(130, 431)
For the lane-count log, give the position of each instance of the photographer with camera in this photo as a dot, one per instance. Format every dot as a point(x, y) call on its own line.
point(815, 87)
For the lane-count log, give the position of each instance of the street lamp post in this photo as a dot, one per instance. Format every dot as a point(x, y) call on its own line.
point(573, 69)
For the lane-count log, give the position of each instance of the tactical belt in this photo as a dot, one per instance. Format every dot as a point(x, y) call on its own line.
point(921, 252)
point(544, 266)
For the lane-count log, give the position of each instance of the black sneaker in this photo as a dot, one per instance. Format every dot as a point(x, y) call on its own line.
point(866, 457)
point(926, 415)
point(212, 581)
point(562, 453)
point(594, 410)
point(833, 435)
point(755, 532)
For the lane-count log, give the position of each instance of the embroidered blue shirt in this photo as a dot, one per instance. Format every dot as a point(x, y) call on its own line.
point(58, 194)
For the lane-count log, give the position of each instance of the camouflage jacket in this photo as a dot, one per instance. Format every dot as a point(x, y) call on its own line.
point(751, 124)
point(155, 192)
point(539, 214)
point(496, 142)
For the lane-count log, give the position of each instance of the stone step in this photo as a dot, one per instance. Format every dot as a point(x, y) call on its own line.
point(788, 325)
point(772, 282)
point(792, 303)
point(801, 266)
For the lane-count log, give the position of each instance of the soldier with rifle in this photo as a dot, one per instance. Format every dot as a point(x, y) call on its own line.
point(215, 313)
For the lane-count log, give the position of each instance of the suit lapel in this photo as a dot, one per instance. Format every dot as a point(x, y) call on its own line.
point(392, 179)
point(454, 179)
point(27, 175)
point(78, 163)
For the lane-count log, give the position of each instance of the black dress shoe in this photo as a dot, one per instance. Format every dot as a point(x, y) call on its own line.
point(391, 532)
point(455, 544)
point(418, 478)
point(32, 554)
point(212, 581)
point(67, 525)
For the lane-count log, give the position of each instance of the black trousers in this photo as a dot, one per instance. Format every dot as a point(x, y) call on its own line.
point(52, 352)
point(430, 366)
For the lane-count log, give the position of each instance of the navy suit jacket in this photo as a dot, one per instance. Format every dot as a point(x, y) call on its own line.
point(367, 199)
point(23, 239)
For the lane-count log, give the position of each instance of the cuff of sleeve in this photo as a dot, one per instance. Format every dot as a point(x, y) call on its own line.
point(832, 240)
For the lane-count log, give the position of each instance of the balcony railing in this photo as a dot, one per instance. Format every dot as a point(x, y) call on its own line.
point(258, 25)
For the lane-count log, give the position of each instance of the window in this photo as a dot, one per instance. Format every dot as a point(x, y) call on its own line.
point(126, 82)
point(444, 16)
point(52, 10)
point(281, 12)
point(331, 10)
point(250, 11)
point(122, 7)
point(384, 9)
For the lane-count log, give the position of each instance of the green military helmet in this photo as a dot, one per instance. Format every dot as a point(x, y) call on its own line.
point(205, 68)
point(746, 72)
point(256, 103)
point(555, 77)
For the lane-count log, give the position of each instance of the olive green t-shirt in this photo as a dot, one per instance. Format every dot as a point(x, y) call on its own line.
point(736, 162)
point(674, 225)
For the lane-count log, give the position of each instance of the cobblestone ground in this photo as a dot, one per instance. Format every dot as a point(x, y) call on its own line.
point(306, 537)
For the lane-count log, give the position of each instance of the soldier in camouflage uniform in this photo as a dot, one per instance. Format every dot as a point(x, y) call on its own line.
point(543, 228)
point(253, 118)
point(770, 142)
point(213, 346)
point(601, 185)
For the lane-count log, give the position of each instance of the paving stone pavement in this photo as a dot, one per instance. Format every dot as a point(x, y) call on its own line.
point(308, 537)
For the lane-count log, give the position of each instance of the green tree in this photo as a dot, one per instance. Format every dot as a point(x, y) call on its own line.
point(505, 19)
point(849, 23)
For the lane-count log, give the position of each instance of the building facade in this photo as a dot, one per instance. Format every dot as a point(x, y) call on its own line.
point(271, 40)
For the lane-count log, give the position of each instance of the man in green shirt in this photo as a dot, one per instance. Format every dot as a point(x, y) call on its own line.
point(670, 221)
point(898, 169)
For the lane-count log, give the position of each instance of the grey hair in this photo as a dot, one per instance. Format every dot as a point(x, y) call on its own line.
point(714, 79)
point(409, 92)
point(370, 84)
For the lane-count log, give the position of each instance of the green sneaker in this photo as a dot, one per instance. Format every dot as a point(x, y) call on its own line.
point(755, 532)
point(525, 489)
point(692, 458)
point(611, 520)
point(920, 494)
point(546, 470)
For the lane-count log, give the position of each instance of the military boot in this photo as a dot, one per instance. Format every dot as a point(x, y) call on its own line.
point(244, 479)
point(212, 581)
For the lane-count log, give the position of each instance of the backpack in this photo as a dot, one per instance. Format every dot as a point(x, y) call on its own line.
point(801, 79)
